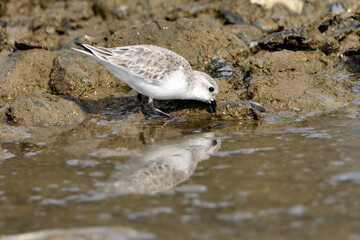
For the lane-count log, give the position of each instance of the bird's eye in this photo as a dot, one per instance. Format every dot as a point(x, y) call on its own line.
point(211, 89)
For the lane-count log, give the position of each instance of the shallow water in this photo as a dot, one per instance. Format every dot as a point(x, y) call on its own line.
point(294, 179)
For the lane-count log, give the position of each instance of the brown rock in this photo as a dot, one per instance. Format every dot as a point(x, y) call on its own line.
point(24, 72)
point(197, 40)
point(78, 75)
point(298, 92)
point(40, 108)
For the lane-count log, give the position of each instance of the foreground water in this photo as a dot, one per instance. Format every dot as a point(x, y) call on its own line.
point(295, 179)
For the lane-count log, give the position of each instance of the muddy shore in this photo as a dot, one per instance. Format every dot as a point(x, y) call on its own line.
point(289, 58)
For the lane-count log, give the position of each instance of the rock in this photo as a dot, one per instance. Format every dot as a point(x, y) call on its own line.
point(24, 72)
point(121, 12)
point(28, 43)
point(188, 37)
point(337, 8)
point(286, 61)
point(3, 37)
point(240, 110)
point(247, 33)
point(293, 5)
point(298, 92)
point(58, 19)
point(45, 109)
point(230, 17)
point(106, 9)
point(341, 32)
point(110, 8)
point(78, 75)
point(266, 25)
point(218, 68)
point(295, 39)
point(295, 81)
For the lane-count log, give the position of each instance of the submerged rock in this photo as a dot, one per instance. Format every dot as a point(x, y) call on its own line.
point(46, 109)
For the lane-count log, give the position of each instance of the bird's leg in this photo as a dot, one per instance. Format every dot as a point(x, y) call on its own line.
point(149, 108)
point(151, 105)
point(139, 97)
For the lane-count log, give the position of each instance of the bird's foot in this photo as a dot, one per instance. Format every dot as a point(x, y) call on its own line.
point(149, 110)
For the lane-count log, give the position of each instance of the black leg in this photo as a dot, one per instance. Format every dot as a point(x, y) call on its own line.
point(151, 105)
point(149, 109)
point(139, 97)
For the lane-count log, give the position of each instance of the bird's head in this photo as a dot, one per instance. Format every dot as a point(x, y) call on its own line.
point(204, 87)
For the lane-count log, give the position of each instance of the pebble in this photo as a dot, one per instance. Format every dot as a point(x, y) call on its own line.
point(337, 8)
point(220, 68)
point(266, 25)
point(230, 17)
point(3, 23)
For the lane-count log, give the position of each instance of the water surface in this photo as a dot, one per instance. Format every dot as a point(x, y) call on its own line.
point(293, 179)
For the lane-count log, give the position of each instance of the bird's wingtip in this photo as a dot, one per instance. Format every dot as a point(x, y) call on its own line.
point(83, 48)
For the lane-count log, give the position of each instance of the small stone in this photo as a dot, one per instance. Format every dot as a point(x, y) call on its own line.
point(266, 25)
point(3, 23)
point(121, 12)
point(220, 68)
point(240, 110)
point(337, 8)
point(230, 17)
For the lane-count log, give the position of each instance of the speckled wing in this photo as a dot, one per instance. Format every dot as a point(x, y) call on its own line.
point(151, 63)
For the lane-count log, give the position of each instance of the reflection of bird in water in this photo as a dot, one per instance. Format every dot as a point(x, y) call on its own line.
point(162, 166)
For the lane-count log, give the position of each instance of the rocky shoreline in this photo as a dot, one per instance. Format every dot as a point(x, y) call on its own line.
point(285, 59)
